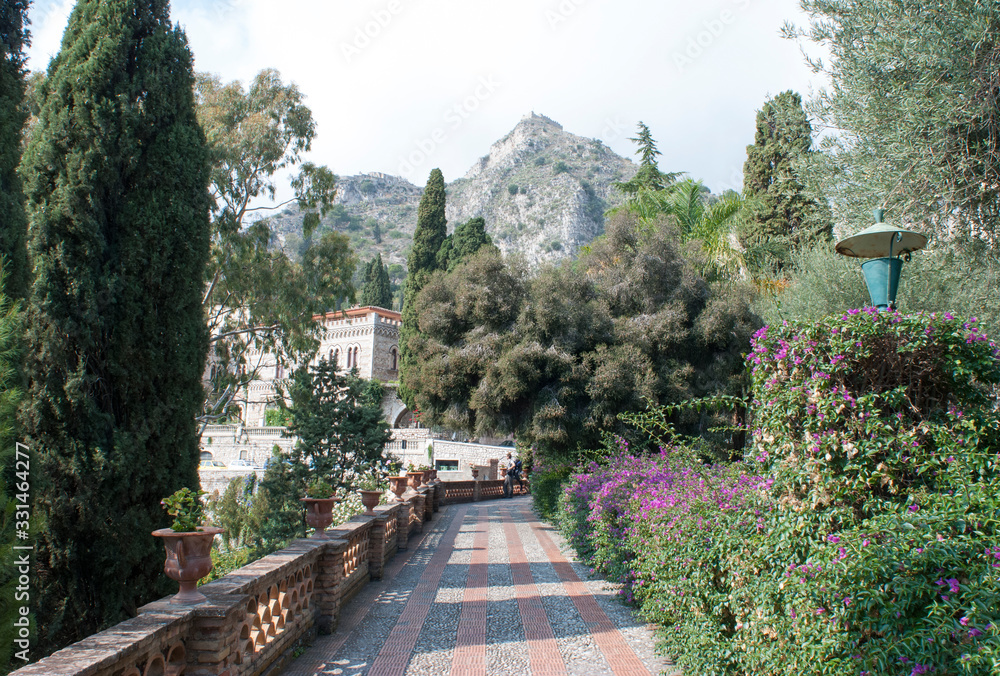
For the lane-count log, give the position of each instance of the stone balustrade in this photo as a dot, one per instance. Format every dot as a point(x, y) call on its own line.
point(255, 616)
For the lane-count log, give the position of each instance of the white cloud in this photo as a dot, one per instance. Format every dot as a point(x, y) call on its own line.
point(381, 75)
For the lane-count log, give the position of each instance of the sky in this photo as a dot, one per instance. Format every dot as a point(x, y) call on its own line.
point(403, 86)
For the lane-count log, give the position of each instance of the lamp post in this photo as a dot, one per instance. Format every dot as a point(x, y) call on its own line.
point(885, 247)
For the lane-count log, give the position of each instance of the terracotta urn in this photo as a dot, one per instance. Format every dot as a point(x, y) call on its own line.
point(415, 479)
point(503, 472)
point(475, 473)
point(397, 484)
point(434, 475)
point(370, 500)
point(189, 558)
point(426, 480)
point(319, 514)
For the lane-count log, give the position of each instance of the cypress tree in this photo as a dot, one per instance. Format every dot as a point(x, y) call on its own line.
point(376, 290)
point(13, 114)
point(468, 238)
point(116, 184)
point(432, 228)
point(783, 217)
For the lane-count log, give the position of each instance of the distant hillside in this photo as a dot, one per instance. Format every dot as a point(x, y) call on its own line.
point(542, 191)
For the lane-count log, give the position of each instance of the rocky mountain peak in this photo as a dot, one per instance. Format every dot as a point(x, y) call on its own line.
point(542, 191)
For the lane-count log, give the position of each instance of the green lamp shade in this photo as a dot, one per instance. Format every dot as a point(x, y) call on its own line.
point(882, 277)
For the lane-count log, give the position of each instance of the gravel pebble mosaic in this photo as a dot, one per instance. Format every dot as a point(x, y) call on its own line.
point(449, 555)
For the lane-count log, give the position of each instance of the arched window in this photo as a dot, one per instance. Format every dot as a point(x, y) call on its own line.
point(349, 352)
point(395, 356)
point(354, 362)
point(335, 355)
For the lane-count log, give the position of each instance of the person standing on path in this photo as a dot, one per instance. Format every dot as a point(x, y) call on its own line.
point(508, 481)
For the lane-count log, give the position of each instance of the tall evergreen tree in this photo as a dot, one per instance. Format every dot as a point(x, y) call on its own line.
point(649, 176)
point(432, 228)
point(468, 238)
point(377, 290)
point(10, 397)
point(783, 217)
point(13, 114)
point(116, 185)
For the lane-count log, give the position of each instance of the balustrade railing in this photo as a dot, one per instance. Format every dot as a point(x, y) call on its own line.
point(255, 616)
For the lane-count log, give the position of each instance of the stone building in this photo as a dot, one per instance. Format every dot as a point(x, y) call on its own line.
point(366, 338)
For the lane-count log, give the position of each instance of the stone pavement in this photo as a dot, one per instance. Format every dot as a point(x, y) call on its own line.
point(486, 589)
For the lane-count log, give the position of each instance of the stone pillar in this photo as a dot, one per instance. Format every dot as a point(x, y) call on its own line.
point(475, 485)
point(428, 504)
point(494, 463)
point(402, 524)
point(377, 545)
point(392, 536)
point(417, 513)
point(327, 586)
point(214, 637)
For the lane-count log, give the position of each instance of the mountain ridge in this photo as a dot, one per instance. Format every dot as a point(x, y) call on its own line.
point(542, 191)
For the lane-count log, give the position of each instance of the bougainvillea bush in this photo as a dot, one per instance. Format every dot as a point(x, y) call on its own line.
point(859, 536)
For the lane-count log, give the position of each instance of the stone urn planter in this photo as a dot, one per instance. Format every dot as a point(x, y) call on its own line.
point(370, 500)
point(475, 473)
point(189, 558)
point(434, 475)
point(503, 472)
point(319, 515)
point(426, 479)
point(397, 484)
point(415, 479)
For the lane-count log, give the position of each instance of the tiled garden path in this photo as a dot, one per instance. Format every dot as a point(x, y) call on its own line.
point(486, 589)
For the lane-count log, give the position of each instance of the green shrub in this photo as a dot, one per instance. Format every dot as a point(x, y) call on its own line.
point(512, 188)
point(276, 417)
point(560, 167)
point(546, 487)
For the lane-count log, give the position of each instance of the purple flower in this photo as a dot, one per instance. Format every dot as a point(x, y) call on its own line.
point(953, 585)
point(832, 538)
point(914, 508)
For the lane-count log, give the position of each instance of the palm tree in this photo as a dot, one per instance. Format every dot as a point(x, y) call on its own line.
point(700, 216)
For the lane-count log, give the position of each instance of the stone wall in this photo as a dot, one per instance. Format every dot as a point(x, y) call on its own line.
point(227, 443)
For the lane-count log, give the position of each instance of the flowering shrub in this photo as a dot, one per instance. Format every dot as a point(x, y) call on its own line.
point(869, 406)
point(860, 534)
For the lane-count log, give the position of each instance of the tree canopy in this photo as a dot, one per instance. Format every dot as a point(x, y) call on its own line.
point(649, 176)
point(376, 290)
point(468, 238)
point(913, 104)
point(258, 300)
point(782, 218)
point(116, 183)
point(432, 229)
point(13, 114)
point(556, 357)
